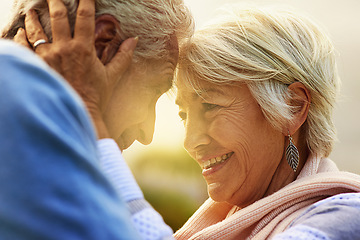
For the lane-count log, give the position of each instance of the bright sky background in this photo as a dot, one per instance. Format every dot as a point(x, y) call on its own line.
point(340, 18)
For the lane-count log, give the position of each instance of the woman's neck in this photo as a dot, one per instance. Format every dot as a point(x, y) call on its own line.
point(284, 174)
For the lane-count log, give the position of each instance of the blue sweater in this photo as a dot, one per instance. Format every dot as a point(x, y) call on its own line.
point(51, 184)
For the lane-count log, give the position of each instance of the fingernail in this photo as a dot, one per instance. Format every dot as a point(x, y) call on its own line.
point(130, 44)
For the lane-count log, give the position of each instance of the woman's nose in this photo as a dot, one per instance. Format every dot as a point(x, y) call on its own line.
point(196, 134)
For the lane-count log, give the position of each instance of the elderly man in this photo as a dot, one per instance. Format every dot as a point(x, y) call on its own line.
point(51, 180)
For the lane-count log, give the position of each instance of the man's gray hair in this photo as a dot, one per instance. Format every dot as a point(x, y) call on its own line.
point(153, 21)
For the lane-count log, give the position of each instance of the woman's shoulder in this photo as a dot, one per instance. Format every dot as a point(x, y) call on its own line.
point(336, 217)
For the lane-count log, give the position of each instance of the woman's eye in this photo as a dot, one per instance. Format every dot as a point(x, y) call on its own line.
point(209, 106)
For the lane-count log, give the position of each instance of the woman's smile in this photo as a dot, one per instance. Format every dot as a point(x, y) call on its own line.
point(214, 164)
point(233, 143)
point(215, 160)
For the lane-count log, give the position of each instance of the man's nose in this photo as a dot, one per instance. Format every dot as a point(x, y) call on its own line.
point(146, 128)
point(196, 134)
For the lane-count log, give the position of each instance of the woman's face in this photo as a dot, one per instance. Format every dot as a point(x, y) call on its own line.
point(228, 135)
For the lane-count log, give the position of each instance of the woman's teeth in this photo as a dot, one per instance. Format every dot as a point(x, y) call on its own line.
point(217, 160)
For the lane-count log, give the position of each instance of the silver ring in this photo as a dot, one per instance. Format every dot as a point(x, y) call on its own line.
point(39, 42)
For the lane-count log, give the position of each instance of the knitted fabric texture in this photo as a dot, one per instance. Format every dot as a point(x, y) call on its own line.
point(319, 179)
point(146, 220)
point(118, 171)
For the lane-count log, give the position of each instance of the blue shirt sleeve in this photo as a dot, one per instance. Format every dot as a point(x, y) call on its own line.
point(337, 217)
point(51, 185)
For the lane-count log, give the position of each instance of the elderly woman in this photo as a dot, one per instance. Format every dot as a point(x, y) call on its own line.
point(256, 92)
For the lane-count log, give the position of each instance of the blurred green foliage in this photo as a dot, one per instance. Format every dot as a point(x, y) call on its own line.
point(171, 182)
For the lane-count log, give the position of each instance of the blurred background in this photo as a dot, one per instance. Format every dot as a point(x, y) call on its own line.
point(172, 181)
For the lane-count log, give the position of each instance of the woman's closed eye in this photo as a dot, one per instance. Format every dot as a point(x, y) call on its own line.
point(209, 106)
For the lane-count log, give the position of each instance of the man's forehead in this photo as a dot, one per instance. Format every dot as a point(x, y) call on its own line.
point(173, 47)
point(162, 70)
point(160, 75)
point(173, 44)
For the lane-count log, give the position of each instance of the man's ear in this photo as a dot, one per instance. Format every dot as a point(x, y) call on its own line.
point(107, 37)
point(300, 100)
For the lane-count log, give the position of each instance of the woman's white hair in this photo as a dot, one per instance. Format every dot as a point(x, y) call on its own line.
point(153, 21)
point(268, 50)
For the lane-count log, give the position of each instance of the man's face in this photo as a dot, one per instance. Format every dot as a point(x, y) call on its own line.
point(130, 114)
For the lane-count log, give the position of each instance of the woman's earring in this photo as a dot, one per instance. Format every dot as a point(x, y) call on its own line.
point(292, 155)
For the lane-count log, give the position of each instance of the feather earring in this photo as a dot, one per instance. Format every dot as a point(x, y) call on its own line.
point(292, 155)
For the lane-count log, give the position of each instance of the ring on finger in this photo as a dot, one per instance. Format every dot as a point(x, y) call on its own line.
point(39, 42)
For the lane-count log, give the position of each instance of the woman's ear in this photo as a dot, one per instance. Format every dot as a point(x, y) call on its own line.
point(300, 100)
point(107, 37)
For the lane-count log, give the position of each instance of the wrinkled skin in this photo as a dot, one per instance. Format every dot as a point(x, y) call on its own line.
point(120, 95)
point(222, 121)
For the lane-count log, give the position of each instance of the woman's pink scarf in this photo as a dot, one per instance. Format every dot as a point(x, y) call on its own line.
point(319, 179)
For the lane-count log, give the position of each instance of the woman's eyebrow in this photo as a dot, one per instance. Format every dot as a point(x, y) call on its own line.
point(203, 92)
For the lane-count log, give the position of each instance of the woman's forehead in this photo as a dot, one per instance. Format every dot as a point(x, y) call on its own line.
point(187, 93)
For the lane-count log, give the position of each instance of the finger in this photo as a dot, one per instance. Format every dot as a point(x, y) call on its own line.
point(42, 45)
point(34, 30)
point(59, 21)
point(20, 38)
point(85, 21)
point(122, 60)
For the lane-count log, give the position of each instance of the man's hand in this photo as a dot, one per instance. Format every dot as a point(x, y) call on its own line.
point(75, 57)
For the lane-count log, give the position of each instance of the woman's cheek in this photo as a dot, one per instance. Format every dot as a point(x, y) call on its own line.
point(224, 125)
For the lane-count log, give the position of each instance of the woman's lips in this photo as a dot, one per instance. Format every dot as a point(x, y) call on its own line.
point(215, 164)
point(216, 160)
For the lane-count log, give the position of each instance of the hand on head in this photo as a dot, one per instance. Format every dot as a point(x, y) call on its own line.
point(75, 57)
